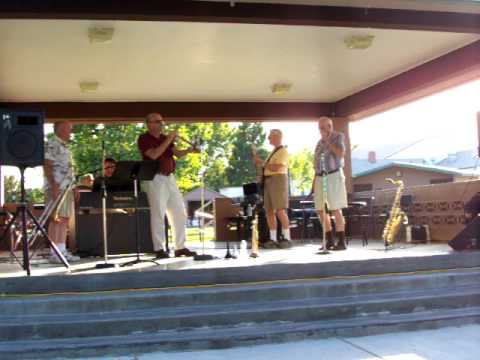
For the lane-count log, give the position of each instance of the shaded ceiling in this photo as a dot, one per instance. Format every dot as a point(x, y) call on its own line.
point(44, 55)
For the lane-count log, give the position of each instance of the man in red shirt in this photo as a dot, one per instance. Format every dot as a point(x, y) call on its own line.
point(163, 194)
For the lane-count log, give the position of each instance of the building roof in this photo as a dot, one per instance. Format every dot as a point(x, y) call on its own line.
point(422, 167)
point(467, 159)
point(196, 195)
point(359, 166)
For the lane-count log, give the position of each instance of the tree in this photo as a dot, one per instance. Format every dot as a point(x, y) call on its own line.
point(11, 189)
point(301, 170)
point(12, 192)
point(121, 144)
point(240, 166)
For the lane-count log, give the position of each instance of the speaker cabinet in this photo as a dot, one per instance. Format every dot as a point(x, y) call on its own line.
point(121, 233)
point(468, 238)
point(21, 138)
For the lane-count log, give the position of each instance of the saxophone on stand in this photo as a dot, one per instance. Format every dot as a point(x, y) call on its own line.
point(254, 252)
point(397, 215)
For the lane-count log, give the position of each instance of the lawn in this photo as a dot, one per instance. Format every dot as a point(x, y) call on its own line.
point(193, 234)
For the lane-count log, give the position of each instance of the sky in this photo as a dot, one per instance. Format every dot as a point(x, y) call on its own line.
point(429, 128)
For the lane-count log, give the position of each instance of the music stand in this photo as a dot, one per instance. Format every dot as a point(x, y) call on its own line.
point(129, 171)
point(326, 217)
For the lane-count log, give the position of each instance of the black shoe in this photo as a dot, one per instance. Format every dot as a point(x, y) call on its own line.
point(161, 254)
point(341, 241)
point(184, 252)
point(285, 244)
point(330, 246)
point(270, 244)
point(340, 246)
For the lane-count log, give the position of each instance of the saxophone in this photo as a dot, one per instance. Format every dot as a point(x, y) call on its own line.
point(397, 216)
point(254, 252)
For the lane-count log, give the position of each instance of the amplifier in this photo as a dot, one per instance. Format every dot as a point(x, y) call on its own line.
point(418, 233)
point(120, 230)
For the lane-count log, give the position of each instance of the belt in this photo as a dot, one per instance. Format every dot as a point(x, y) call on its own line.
point(323, 173)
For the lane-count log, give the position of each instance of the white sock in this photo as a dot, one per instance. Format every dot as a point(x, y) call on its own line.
point(61, 248)
point(273, 235)
point(286, 234)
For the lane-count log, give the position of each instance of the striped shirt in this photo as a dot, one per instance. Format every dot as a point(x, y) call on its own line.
point(332, 161)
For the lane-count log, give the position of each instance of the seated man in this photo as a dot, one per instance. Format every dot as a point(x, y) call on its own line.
point(86, 183)
point(109, 167)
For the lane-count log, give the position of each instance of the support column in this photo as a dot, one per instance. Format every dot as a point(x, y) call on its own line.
point(2, 188)
point(478, 133)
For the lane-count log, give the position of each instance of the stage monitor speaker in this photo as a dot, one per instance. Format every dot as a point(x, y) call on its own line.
point(468, 238)
point(21, 138)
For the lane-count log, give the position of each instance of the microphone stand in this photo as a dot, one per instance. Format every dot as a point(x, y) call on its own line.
point(326, 218)
point(105, 265)
point(203, 256)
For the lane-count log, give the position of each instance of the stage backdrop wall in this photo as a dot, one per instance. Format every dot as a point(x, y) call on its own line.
point(440, 206)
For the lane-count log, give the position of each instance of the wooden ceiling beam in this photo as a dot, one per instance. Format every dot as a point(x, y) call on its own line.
point(120, 112)
point(245, 13)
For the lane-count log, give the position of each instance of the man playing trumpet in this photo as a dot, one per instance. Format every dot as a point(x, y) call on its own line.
point(163, 194)
point(275, 189)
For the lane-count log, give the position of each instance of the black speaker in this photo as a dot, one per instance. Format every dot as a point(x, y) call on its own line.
point(468, 238)
point(121, 233)
point(21, 138)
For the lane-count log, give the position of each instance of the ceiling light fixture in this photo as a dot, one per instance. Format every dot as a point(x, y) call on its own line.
point(89, 86)
point(359, 42)
point(281, 88)
point(100, 35)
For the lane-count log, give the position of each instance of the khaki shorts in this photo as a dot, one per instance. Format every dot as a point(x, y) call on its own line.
point(336, 191)
point(275, 192)
point(67, 207)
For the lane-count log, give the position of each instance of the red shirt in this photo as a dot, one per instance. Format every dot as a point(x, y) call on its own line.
point(166, 162)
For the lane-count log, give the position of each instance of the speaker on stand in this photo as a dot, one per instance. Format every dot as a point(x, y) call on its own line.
point(21, 138)
point(22, 145)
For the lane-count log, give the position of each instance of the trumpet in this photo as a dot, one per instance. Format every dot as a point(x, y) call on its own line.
point(194, 144)
point(188, 142)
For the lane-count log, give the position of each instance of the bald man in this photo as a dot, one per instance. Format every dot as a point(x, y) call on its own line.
point(328, 163)
point(275, 190)
point(163, 194)
point(58, 172)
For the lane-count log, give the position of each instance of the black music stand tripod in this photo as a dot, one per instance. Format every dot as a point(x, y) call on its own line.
point(23, 211)
point(137, 170)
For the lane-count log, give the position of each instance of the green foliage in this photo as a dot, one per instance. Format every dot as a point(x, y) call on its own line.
point(11, 188)
point(121, 144)
point(86, 145)
point(301, 170)
point(214, 141)
point(240, 165)
point(12, 192)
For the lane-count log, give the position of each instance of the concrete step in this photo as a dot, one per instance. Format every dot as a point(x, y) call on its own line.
point(258, 310)
point(162, 299)
point(144, 279)
point(241, 335)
